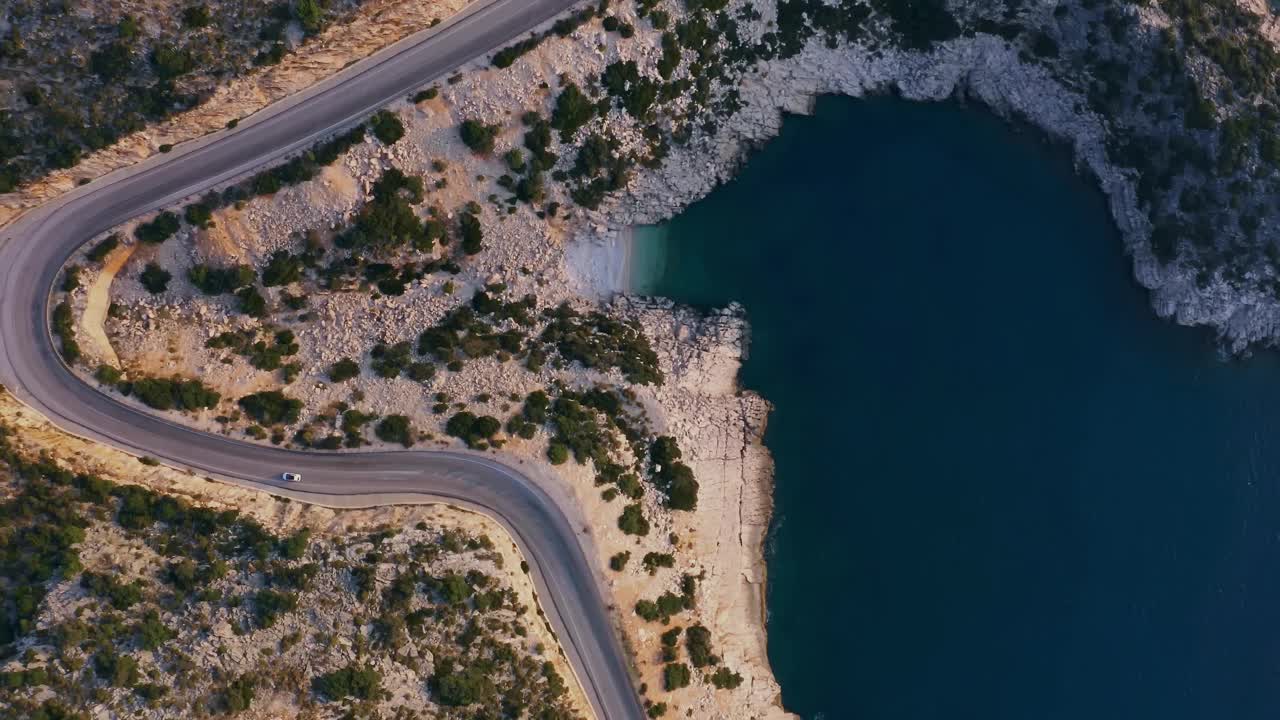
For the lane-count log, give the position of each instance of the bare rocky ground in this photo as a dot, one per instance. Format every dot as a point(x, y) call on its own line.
point(343, 576)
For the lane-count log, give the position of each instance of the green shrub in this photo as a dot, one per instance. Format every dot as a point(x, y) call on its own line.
point(154, 278)
point(467, 687)
point(175, 394)
point(505, 57)
point(252, 303)
point(472, 429)
point(344, 370)
point(196, 16)
point(216, 280)
point(152, 633)
point(99, 252)
point(122, 596)
point(387, 127)
point(675, 676)
point(726, 679)
point(239, 694)
point(117, 670)
point(71, 278)
point(632, 520)
point(653, 561)
point(698, 641)
point(618, 562)
point(295, 546)
point(599, 341)
point(198, 214)
point(573, 110)
point(164, 226)
point(389, 219)
point(112, 61)
point(472, 234)
point(171, 62)
point(310, 15)
point(397, 429)
point(671, 637)
point(478, 136)
point(271, 407)
point(269, 605)
point(63, 327)
point(282, 268)
point(107, 375)
point(352, 681)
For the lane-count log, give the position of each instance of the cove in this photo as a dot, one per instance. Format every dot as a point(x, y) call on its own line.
point(1005, 489)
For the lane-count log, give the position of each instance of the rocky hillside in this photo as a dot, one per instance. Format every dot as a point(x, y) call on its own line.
point(79, 79)
point(124, 602)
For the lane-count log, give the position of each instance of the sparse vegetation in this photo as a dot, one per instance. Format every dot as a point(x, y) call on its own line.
point(161, 228)
point(478, 136)
point(172, 394)
point(271, 407)
point(128, 641)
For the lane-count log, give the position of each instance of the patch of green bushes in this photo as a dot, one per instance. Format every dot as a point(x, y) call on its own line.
point(174, 394)
point(353, 681)
point(271, 407)
point(387, 127)
point(478, 136)
point(396, 429)
point(164, 226)
point(100, 251)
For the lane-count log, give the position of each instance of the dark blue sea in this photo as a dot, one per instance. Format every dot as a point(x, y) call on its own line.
point(1005, 489)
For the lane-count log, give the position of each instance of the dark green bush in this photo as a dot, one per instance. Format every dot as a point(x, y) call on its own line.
point(675, 676)
point(198, 214)
point(466, 687)
point(62, 322)
point(397, 429)
point(154, 278)
point(99, 252)
point(573, 110)
point(344, 370)
point(632, 520)
point(271, 407)
point(472, 234)
point(653, 561)
point(726, 679)
point(252, 303)
point(473, 430)
point(174, 394)
point(698, 642)
point(352, 681)
point(386, 126)
point(164, 226)
point(216, 280)
point(478, 136)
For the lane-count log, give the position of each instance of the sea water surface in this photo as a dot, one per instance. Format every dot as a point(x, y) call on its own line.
point(1005, 489)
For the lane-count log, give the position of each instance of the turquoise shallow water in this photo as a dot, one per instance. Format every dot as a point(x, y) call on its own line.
point(1005, 490)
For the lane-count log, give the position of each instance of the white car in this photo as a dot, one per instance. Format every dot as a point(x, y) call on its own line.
point(291, 477)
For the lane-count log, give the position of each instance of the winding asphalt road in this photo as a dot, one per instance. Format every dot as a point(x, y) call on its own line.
point(539, 516)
